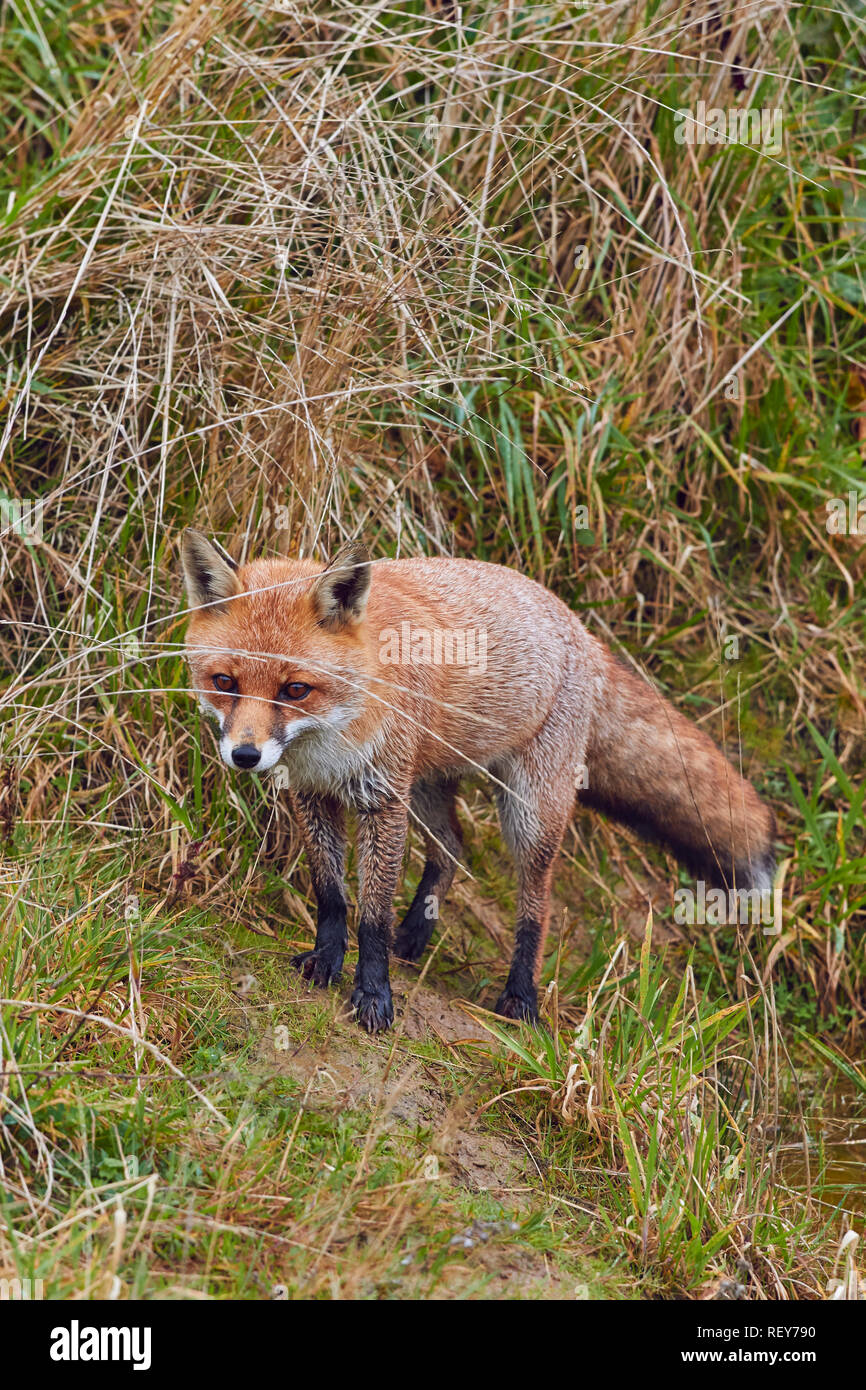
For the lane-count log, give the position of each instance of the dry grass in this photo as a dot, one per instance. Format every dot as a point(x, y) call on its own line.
point(438, 277)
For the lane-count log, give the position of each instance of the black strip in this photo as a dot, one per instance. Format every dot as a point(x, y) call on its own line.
point(416, 929)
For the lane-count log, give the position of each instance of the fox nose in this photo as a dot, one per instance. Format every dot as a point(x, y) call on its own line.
point(245, 755)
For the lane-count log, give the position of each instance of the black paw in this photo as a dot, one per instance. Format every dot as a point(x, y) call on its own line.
point(321, 967)
point(519, 1006)
point(374, 1008)
point(409, 945)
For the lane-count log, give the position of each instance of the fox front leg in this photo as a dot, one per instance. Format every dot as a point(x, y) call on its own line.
point(321, 822)
point(433, 806)
point(381, 841)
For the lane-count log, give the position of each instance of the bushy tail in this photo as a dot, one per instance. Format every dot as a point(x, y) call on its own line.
point(653, 770)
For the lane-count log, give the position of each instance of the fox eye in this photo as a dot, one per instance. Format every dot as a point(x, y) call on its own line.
point(227, 684)
point(295, 690)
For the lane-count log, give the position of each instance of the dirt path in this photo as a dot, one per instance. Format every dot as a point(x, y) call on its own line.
point(431, 1089)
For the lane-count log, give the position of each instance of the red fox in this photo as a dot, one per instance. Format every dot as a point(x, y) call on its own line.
point(332, 671)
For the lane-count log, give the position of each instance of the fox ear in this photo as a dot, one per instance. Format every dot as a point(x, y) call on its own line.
point(210, 578)
point(340, 593)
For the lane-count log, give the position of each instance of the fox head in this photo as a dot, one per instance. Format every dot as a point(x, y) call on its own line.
point(276, 648)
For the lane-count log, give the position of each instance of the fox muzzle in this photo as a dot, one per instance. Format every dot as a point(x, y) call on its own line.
point(246, 755)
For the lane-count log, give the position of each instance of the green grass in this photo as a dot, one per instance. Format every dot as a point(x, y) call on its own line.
point(467, 296)
point(231, 1174)
point(224, 1131)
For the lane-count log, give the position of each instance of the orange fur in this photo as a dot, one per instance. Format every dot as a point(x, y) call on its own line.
point(547, 713)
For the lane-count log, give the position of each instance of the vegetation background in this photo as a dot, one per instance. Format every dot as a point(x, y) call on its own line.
point(439, 275)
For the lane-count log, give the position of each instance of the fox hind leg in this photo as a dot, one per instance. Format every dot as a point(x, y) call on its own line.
point(433, 805)
point(533, 824)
